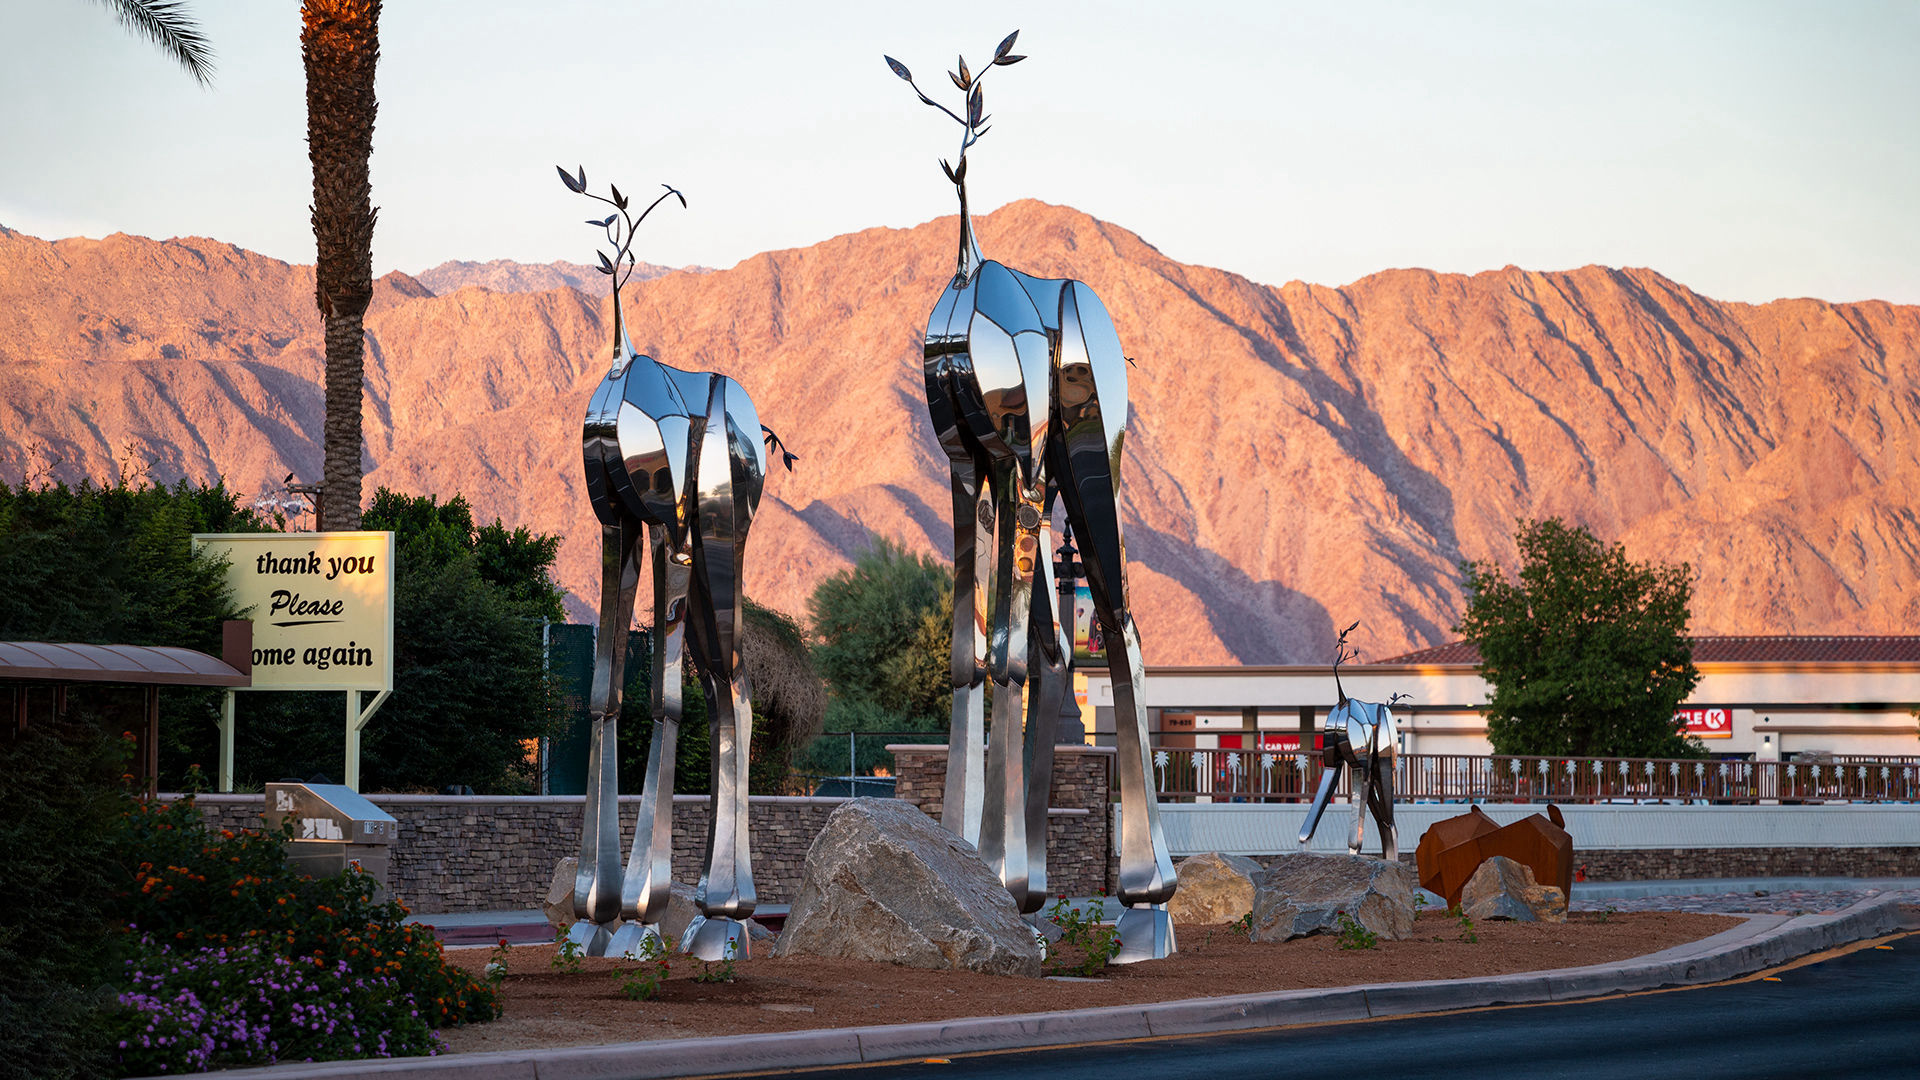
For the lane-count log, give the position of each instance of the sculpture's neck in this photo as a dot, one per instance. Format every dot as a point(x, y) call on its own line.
point(622, 347)
point(969, 258)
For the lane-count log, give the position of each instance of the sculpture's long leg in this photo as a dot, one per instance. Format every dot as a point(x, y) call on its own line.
point(596, 885)
point(1003, 831)
point(1362, 793)
point(1381, 804)
point(973, 521)
point(728, 489)
point(649, 879)
point(1329, 780)
point(1048, 677)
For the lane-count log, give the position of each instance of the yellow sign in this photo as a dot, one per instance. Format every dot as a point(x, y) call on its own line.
point(321, 605)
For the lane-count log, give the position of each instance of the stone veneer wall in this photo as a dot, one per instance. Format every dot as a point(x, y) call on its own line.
point(1662, 865)
point(1079, 848)
point(481, 853)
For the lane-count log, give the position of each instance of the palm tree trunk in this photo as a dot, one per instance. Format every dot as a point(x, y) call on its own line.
point(340, 44)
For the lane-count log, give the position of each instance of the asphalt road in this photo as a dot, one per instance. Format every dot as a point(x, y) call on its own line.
point(1853, 1016)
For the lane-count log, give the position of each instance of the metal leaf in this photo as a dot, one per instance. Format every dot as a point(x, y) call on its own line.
point(619, 200)
point(899, 68)
point(960, 174)
point(582, 178)
point(677, 195)
point(567, 179)
point(605, 266)
point(1005, 60)
point(948, 169)
point(1005, 45)
point(974, 106)
point(966, 77)
point(956, 80)
point(604, 269)
point(601, 224)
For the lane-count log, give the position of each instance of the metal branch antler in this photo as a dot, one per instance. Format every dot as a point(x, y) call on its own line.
point(975, 122)
point(1343, 653)
point(619, 225)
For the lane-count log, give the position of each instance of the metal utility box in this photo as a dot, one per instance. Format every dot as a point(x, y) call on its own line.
point(333, 825)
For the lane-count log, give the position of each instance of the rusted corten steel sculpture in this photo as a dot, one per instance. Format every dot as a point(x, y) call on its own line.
point(1453, 849)
point(673, 457)
point(1027, 390)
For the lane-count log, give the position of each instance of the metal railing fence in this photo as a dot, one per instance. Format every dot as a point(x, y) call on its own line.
point(1193, 775)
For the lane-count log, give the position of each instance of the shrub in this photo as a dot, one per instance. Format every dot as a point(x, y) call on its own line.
point(217, 911)
point(193, 1009)
point(58, 807)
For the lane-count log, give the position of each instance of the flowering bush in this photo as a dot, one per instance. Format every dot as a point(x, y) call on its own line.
point(189, 1010)
point(224, 925)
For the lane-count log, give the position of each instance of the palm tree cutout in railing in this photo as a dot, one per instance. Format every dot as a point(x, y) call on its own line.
point(678, 455)
point(1360, 734)
point(1027, 387)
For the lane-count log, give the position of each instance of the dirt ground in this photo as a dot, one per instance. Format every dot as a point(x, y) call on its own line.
point(545, 1007)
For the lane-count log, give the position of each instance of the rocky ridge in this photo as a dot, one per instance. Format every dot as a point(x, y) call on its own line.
point(1298, 454)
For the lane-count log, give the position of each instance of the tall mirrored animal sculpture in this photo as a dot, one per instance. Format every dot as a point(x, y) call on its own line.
point(1360, 734)
point(1027, 389)
point(675, 455)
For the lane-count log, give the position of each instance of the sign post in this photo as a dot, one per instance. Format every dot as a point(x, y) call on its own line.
point(322, 610)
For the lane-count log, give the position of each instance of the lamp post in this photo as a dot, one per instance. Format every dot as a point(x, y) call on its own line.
point(1071, 731)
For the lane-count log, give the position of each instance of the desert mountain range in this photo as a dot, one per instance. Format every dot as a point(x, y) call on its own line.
point(1300, 456)
point(505, 275)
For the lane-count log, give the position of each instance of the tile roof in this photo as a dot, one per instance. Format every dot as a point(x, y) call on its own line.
point(1751, 649)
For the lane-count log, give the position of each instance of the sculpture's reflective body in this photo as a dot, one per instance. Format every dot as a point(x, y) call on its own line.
point(1027, 389)
point(1360, 734)
point(676, 456)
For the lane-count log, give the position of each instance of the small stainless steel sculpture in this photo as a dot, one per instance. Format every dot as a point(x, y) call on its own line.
point(1027, 388)
point(677, 454)
point(1360, 734)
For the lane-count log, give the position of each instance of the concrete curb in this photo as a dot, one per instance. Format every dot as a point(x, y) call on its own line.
point(1763, 941)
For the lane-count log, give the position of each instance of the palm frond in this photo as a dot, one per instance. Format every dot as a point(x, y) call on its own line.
point(167, 24)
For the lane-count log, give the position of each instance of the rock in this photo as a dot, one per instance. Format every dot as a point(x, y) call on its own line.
point(1505, 889)
point(885, 882)
point(558, 906)
point(1213, 888)
point(1305, 894)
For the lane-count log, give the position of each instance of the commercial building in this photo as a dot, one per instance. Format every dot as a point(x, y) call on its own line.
point(1759, 698)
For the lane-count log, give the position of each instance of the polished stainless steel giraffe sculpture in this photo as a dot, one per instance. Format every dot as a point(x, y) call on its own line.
point(678, 455)
point(1027, 389)
point(1360, 734)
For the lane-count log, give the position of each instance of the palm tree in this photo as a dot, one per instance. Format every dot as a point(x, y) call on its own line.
point(165, 23)
point(340, 43)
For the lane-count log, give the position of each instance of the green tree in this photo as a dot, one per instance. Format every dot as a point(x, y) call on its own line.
point(789, 705)
point(883, 637)
point(1587, 654)
point(340, 46)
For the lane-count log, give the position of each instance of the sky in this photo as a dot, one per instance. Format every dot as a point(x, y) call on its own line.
point(1750, 150)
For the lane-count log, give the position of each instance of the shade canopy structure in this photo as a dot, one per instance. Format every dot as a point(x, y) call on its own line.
point(26, 666)
point(142, 665)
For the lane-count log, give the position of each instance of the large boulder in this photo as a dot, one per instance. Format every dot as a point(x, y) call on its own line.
point(885, 882)
point(558, 906)
point(1504, 889)
point(1306, 893)
point(1213, 888)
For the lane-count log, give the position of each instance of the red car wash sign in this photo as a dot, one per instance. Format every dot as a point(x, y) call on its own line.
point(1706, 723)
